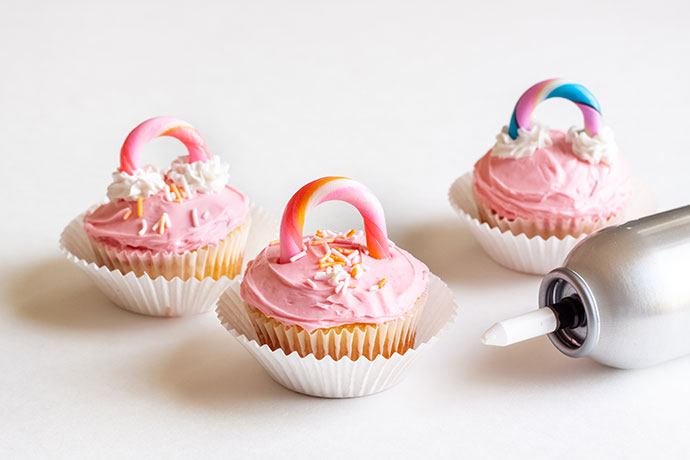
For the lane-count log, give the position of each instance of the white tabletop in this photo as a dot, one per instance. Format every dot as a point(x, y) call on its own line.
point(403, 96)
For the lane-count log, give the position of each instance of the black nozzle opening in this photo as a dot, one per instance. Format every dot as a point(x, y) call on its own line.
point(569, 312)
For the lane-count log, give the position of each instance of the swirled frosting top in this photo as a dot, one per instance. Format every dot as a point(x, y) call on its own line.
point(333, 282)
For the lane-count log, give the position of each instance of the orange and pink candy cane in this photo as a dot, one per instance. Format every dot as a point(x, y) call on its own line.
point(161, 126)
point(333, 189)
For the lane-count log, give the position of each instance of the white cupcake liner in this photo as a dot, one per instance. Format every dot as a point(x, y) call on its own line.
point(158, 296)
point(534, 255)
point(343, 378)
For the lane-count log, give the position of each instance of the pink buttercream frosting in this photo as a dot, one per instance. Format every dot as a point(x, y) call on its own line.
point(294, 293)
point(217, 214)
point(552, 183)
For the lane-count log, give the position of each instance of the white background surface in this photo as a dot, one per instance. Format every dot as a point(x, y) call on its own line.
point(403, 96)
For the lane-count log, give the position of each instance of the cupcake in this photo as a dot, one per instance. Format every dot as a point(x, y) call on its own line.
point(546, 182)
point(183, 222)
point(337, 294)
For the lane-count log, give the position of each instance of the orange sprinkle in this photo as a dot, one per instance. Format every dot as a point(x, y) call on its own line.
point(324, 258)
point(350, 233)
point(354, 270)
point(128, 213)
point(161, 226)
point(330, 264)
point(319, 234)
point(316, 242)
point(382, 283)
point(182, 192)
point(176, 191)
point(274, 243)
point(140, 207)
point(346, 251)
point(352, 286)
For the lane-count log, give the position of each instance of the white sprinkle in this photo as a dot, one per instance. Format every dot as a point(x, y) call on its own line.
point(338, 255)
point(298, 256)
point(166, 219)
point(185, 186)
point(311, 283)
point(329, 233)
point(144, 225)
point(353, 255)
point(329, 270)
point(155, 226)
point(168, 195)
point(205, 215)
point(321, 276)
point(339, 287)
point(337, 268)
point(195, 217)
point(375, 287)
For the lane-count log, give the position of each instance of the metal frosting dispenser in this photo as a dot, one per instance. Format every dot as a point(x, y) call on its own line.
point(622, 296)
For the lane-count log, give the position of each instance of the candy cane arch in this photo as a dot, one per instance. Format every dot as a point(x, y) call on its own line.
point(330, 189)
point(556, 87)
point(156, 127)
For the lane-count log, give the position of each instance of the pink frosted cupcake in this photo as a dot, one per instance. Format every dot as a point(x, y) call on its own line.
point(183, 222)
point(337, 294)
point(546, 182)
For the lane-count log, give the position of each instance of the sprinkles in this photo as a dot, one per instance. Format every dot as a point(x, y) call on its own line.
point(128, 213)
point(340, 266)
point(195, 217)
point(140, 207)
point(143, 227)
point(298, 256)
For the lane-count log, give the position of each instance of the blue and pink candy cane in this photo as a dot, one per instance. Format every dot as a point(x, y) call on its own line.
point(556, 87)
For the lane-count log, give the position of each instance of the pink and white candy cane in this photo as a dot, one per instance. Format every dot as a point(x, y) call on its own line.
point(156, 127)
point(330, 189)
point(556, 87)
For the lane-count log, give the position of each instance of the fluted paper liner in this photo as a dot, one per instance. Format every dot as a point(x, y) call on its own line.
point(508, 245)
point(159, 296)
point(342, 378)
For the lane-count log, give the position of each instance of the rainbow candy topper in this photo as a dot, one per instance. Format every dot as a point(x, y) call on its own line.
point(330, 189)
point(556, 87)
point(156, 127)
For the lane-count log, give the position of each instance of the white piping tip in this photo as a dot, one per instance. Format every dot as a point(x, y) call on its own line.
point(523, 327)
